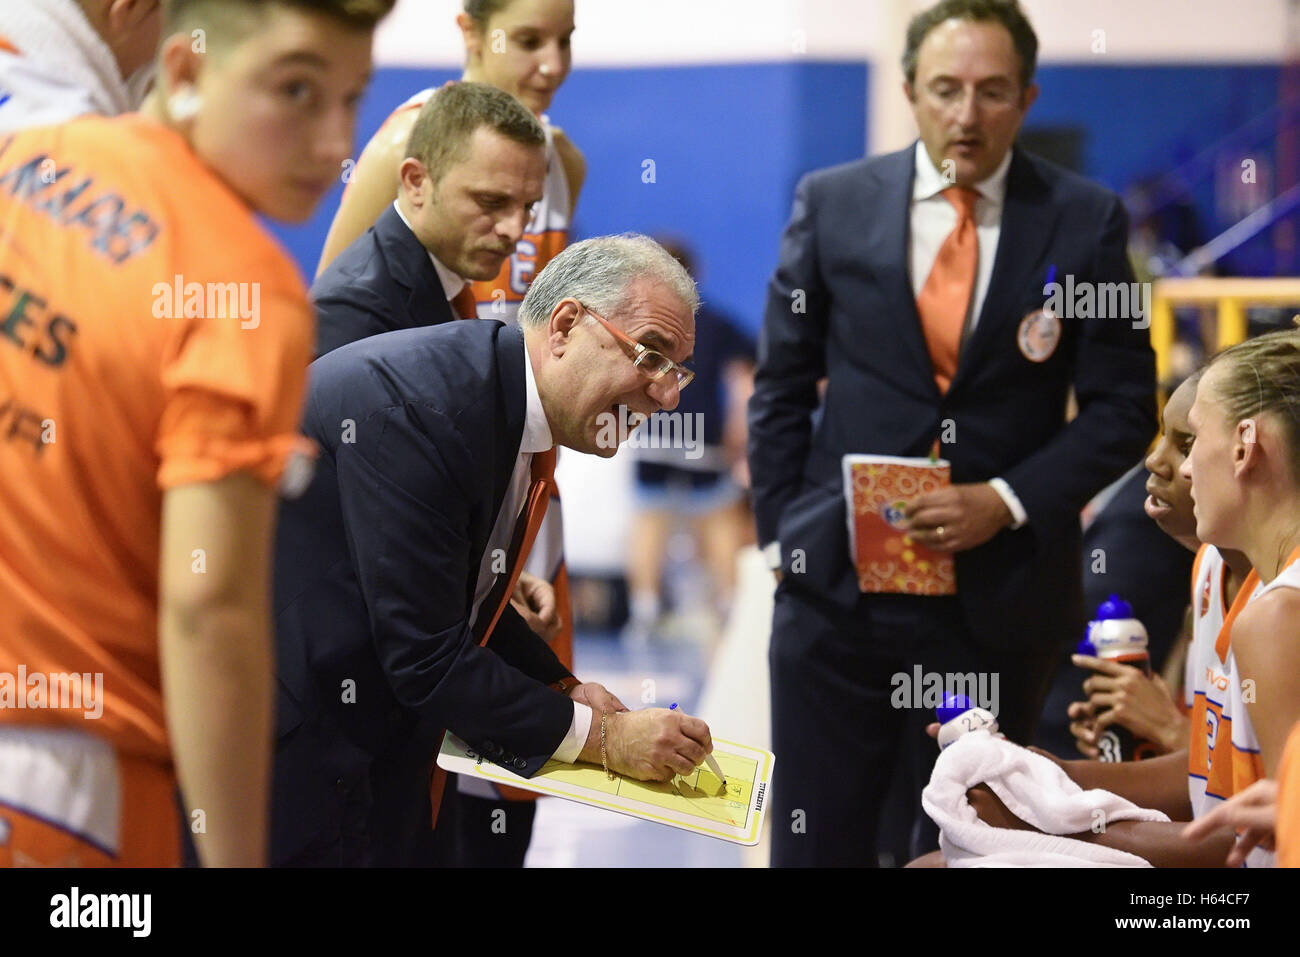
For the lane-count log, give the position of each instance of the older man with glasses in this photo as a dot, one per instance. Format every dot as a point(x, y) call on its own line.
point(393, 571)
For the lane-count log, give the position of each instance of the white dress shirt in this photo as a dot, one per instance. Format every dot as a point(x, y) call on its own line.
point(536, 438)
point(932, 219)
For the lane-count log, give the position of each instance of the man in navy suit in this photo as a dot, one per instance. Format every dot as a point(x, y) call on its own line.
point(863, 296)
point(386, 567)
point(476, 166)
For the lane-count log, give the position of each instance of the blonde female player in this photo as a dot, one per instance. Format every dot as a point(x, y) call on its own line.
point(522, 47)
point(1245, 472)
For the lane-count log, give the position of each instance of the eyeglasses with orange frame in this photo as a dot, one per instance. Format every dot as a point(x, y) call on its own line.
point(653, 365)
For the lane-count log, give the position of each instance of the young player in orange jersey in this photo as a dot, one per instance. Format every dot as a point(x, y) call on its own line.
point(153, 356)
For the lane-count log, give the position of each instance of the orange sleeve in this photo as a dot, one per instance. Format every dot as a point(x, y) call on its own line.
point(233, 386)
point(1288, 803)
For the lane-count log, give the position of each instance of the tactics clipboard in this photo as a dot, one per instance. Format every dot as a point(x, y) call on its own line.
point(696, 802)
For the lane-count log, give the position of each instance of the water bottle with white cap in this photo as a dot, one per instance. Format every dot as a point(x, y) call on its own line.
point(1115, 635)
point(958, 716)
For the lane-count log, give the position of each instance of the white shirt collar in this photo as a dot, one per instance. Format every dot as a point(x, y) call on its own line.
point(929, 182)
point(452, 283)
point(537, 431)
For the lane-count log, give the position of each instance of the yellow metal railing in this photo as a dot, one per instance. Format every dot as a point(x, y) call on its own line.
point(1230, 296)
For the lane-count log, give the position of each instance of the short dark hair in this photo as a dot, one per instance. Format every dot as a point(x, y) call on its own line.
point(358, 14)
point(440, 136)
point(1005, 12)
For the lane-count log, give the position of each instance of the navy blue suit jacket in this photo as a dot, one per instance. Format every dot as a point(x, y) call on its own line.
point(846, 251)
point(383, 281)
point(375, 573)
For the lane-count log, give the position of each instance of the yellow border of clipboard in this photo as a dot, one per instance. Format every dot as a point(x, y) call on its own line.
point(763, 772)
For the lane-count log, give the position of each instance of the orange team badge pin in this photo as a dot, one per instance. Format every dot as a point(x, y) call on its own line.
point(1039, 335)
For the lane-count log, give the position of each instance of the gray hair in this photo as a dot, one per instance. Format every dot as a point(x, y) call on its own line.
point(598, 271)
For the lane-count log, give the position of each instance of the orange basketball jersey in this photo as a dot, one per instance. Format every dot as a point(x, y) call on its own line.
point(152, 334)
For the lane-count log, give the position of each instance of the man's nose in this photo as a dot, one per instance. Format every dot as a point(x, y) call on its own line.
point(512, 226)
point(665, 391)
point(967, 111)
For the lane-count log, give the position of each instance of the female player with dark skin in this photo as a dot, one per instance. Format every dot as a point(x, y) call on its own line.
point(1121, 694)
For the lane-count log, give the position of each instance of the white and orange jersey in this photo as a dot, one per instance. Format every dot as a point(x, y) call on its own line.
point(1223, 753)
point(545, 236)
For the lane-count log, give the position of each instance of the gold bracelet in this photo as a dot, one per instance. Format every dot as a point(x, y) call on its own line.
point(604, 761)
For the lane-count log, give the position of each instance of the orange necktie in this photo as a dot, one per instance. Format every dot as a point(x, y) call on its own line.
point(464, 303)
point(494, 603)
point(945, 297)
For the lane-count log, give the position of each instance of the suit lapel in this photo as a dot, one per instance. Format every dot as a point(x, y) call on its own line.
point(1028, 219)
point(412, 269)
point(890, 244)
point(511, 407)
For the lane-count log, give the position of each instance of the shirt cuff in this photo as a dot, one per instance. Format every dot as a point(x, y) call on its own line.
point(573, 742)
point(1018, 514)
point(772, 555)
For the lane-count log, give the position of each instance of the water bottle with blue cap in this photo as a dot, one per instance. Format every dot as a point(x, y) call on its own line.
point(958, 716)
point(1115, 635)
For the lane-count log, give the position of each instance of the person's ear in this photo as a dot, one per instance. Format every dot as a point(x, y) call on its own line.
point(179, 71)
point(909, 93)
point(1245, 449)
point(1028, 96)
point(124, 16)
point(564, 317)
point(415, 181)
point(473, 36)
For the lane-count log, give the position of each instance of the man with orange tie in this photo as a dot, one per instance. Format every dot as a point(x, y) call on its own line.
point(394, 570)
point(916, 284)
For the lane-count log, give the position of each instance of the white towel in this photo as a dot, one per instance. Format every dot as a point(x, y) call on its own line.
point(1034, 789)
point(63, 68)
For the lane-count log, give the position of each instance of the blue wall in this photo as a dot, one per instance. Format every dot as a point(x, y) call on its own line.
point(729, 143)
